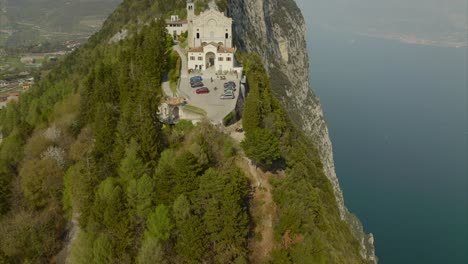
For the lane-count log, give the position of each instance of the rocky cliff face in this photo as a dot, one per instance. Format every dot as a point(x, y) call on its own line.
point(275, 29)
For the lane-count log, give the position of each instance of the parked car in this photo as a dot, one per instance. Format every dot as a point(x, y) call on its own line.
point(229, 92)
point(196, 79)
point(202, 90)
point(227, 96)
point(197, 84)
point(229, 89)
point(230, 84)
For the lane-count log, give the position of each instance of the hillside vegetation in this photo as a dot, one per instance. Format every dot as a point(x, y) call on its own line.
point(85, 146)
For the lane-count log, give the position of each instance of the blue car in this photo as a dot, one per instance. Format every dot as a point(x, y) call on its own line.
point(197, 84)
point(230, 84)
point(196, 79)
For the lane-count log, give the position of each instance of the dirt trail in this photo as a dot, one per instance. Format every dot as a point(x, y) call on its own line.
point(63, 257)
point(263, 211)
point(262, 206)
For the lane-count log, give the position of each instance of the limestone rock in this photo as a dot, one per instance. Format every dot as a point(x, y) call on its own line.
point(275, 29)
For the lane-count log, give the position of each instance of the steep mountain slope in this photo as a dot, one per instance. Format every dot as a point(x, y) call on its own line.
point(85, 144)
point(276, 30)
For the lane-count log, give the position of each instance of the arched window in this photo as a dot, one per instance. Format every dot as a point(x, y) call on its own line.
point(198, 35)
point(227, 35)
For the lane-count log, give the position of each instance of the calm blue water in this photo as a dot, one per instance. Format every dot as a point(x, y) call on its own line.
point(398, 120)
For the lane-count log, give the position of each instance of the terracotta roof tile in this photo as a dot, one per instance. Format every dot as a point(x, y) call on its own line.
point(220, 48)
point(176, 101)
point(168, 21)
point(196, 49)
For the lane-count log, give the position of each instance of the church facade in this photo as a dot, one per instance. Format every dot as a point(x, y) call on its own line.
point(209, 40)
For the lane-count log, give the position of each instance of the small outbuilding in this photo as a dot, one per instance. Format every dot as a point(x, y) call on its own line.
point(176, 26)
point(170, 110)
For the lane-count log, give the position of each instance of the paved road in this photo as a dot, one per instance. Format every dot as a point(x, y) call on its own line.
point(184, 68)
point(166, 86)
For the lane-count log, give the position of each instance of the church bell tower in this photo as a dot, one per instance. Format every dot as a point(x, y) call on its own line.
point(190, 16)
point(190, 10)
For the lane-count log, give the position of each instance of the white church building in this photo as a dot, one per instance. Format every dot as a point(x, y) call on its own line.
point(209, 40)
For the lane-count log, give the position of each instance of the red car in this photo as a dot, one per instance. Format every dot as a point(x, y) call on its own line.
point(202, 90)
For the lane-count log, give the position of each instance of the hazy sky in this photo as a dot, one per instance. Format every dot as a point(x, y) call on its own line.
point(432, 19)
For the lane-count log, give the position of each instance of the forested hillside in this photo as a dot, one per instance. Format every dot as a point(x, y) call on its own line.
point(89, 174)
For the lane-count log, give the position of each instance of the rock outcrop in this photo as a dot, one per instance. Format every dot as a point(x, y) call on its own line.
point(275, 29)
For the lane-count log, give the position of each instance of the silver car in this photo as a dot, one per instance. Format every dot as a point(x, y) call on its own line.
point(227, 96)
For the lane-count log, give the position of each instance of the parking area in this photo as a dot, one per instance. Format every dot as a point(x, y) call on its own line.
point(215, 107)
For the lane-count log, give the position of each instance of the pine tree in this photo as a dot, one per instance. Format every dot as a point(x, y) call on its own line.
point(110, 214)
point(159, 224)
point(5, 188)
point(140, 197)
point(126, 130)
point(131, 167)
point(164, 177)
point(104, 128)
point(191, 240)
point(251, 114)
point(103, 251)
point(262, 146)
point(151, 252)
point(80, 184)
point(186, 175)
point(148, 135)
point(181, 208)
point(221, 199)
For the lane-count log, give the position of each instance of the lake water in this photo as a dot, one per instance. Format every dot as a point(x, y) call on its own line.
point(397, 115)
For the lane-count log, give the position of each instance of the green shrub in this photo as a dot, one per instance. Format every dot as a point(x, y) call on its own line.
point(222, 5)
point(262, 147)
point(229, 119)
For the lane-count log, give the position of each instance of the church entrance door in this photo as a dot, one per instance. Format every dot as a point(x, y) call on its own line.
point(210, 59)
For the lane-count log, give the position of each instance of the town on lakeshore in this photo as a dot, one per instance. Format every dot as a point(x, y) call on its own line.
point(210, 79)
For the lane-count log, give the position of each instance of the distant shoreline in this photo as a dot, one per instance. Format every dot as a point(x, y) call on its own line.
point(402, 38)
point(411, 39)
